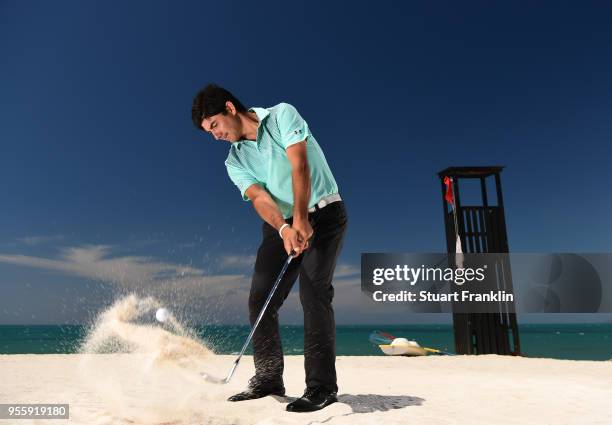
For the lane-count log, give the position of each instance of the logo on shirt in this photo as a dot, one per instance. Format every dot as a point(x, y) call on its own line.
point(297, 131)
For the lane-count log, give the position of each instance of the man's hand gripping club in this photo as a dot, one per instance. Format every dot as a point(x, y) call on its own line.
point(296, 237)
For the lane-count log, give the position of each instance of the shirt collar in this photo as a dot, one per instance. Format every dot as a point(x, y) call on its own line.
point(262, 113)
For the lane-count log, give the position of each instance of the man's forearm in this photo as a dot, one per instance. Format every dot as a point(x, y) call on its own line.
point(300, 177)
point(268, 210)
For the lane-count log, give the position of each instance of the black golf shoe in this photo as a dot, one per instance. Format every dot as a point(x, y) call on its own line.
point(313, 399)
point(251, 394)
point(257, 389)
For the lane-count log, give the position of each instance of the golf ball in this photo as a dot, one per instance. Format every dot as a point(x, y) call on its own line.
point(162, 315)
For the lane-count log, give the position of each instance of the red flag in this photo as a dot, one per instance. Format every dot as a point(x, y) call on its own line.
point(449, 191)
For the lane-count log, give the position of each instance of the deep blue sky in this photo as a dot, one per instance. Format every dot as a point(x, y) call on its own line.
point(97, 145)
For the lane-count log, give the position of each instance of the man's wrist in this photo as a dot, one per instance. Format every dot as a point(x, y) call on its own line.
point(283, 227)
point(300, 216)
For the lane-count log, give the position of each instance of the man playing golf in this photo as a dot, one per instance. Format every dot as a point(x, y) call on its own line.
point(277, 164)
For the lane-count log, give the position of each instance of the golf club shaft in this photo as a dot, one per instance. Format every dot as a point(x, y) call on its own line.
point(261, 313)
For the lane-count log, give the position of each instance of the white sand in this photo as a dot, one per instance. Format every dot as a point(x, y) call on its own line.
point(134, 372)
point(129, 389)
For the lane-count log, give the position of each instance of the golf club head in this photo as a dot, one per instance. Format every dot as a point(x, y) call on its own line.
point(212, 379)
point(231, 373)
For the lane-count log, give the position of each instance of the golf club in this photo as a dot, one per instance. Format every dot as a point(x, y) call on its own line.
point(212, 379)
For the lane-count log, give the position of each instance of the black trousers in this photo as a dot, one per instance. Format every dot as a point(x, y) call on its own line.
point(315, 268)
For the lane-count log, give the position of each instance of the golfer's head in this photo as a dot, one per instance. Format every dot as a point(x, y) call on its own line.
point(216, 111)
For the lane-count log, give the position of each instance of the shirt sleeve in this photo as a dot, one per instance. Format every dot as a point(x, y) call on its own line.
point(292, 127)
point(241, 178)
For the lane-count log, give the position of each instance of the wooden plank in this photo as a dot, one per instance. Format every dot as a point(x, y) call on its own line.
point(468, 220)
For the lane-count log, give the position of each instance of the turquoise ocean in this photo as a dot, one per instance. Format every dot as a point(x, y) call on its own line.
point(561, 341)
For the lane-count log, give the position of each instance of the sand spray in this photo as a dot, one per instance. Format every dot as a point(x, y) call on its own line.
point(143, 371)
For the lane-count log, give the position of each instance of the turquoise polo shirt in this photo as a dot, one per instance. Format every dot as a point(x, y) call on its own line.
point(264, 161)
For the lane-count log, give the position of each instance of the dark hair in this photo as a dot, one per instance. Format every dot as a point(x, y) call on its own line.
point(211, 101)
